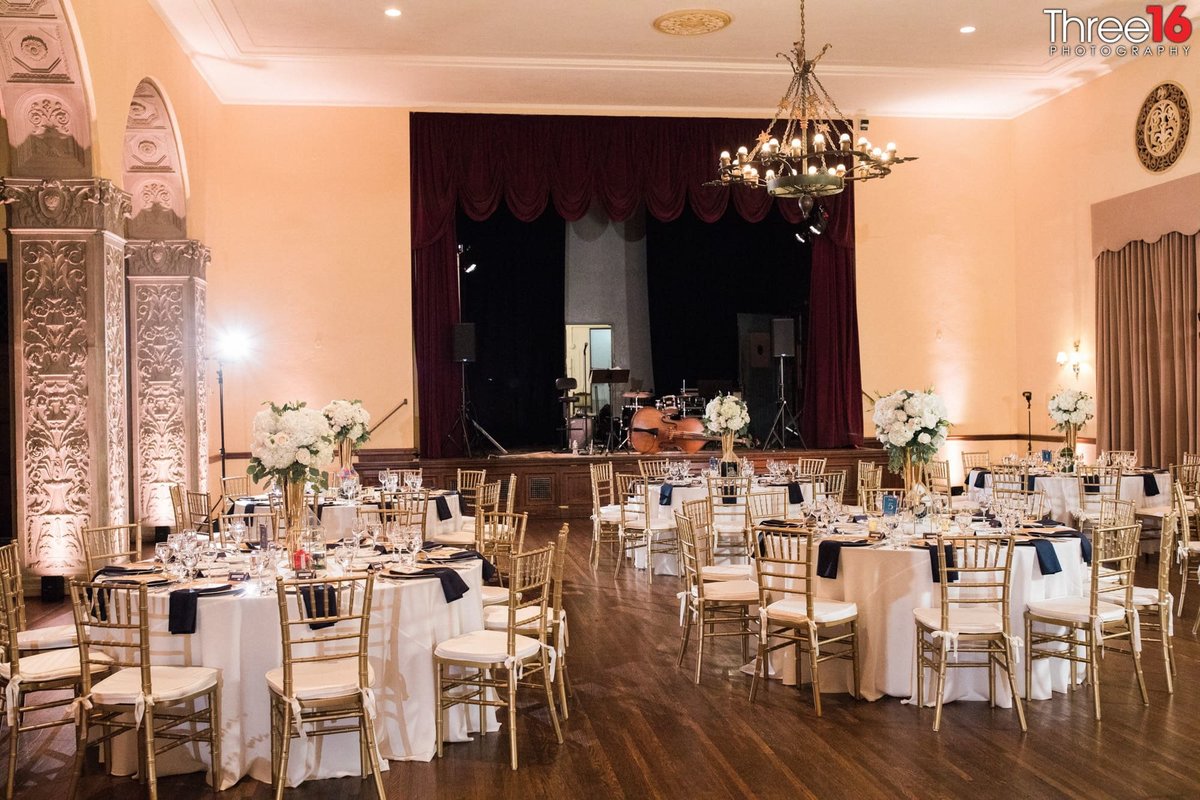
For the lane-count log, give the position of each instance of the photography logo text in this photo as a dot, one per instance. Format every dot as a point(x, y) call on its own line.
point(1161, 31)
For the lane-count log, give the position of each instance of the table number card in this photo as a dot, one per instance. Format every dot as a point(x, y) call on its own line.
point(891, 505)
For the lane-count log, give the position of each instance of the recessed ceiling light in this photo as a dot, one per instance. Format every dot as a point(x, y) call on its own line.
point(392, 12)
point(967, 29)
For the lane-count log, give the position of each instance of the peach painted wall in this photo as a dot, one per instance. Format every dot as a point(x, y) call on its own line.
point(306, 211)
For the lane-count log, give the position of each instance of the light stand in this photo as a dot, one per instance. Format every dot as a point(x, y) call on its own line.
point(232, 346)
point(221, 405)
point(466, 422)
point(785, 420)
point(1029, 415)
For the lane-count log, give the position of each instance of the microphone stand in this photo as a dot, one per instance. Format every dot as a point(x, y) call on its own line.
point(1029, 419)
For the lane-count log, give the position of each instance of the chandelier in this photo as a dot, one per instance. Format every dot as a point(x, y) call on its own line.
point(807, 150)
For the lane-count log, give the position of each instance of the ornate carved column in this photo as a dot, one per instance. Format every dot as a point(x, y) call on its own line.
point(68, 315)
point(167, 339)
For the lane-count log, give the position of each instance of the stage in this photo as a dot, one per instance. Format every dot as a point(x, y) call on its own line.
point(556, 485)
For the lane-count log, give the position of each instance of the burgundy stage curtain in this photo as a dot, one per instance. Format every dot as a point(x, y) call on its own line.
point(623, 163)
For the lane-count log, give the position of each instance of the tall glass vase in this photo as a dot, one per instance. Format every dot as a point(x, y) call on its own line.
point(727, 447)
point(1070, 446)
point(346, 455)
point(295, 512)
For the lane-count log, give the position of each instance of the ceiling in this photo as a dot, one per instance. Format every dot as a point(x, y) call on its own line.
point(895, 58)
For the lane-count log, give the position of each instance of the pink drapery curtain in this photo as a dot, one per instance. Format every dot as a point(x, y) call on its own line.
point(1148, 337)
point(623, 163)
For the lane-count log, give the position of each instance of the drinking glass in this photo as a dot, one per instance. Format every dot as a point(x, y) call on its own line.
point(162, 553)
point(237, 534)
point(343, 556)
point(189, 557)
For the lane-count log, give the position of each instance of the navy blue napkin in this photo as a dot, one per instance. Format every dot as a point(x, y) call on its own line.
point(729, 495)
point(453, 586)
point(664, 494)
point(795, 494)
point(182, 615)
point(1048, 561)
point(1091, 484)
point(319, 601)
point(1030, 482)
point(1085, 544)
point(443, 508)
point(248, 510)
point(829, 554)
point(981, 479)
point(934, 568)
point(1150, 484)
point(489, 569)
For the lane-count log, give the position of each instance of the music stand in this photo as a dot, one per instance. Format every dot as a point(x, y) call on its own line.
point(609, 377)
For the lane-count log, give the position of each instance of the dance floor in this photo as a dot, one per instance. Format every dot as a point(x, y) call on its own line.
point(640, 728)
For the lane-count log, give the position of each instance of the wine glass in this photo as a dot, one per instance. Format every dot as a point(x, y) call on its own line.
point(162, 553)
point(343, 556)
point(189, 557)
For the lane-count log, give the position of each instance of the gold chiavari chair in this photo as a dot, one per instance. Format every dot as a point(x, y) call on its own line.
point(1108, 456)
point(976, 459)
point(1031, 504)
point(974, 614)
point(641, 527)
point(699, 514)
point(232, 489)
point(870, 476)
point(718, 609)
point(501, 534)
point(30, 640)
point(729, 516)
point(829, 486)
point(468, 481)
point(1155, 604)
point(791, 615)
point(1191, 458)
point(109, 545)
point(806, 467)
point(406, 475)
point(937, 481)
point(325, 676)
point(153, 702)
point(495, 618)
point(1105, 616)
point(1187, 549)
point(771, 504)
point(200, 510)
point(509, 492)
point(51, 671)
point(1117, 512)
point(653, 468)
point(467, 665)
point(1096, 484)
point(178, 507)
point(1010, 476)
point(254, 524)
point(487, 501)
point(606, 512)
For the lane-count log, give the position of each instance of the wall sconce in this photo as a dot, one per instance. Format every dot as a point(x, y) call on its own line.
point(1073, 359)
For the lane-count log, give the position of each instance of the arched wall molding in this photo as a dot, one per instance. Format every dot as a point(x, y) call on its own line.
point(66, 247)
point(167, 295)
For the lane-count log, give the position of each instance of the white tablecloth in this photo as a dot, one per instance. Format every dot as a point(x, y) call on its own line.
point(336, 518)
point(1062, 492)
point(240, 636)
point(888, 584)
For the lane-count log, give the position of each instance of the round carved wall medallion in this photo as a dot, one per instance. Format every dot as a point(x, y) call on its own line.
point(1162, 127)
point(692, 22)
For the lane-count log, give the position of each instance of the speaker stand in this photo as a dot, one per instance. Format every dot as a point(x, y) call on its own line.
point(466, 425)
point(785, 421)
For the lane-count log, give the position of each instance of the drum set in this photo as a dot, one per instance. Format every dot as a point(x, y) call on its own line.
point(646, 424)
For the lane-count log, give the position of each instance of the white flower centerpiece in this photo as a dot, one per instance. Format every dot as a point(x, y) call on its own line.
point(349, 422)
point(290, 443)
point(912, 426)
point(1071, 409)
point(728, 417)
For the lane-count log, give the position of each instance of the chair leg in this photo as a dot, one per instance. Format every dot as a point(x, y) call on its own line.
point(550, 698)
point(1168, 649)
point(699, 643)
point(439, 712)
point(941, 686)
point(920, 669)
point(687, 633)
point(285, 746)
point(854, 655)
point(1137, 660)
point(562, 683)
point(368, 728)
point(151, 771)
point(81, 743)
point(14, 734)
point(1094, 668)
point(1183, 585)
point(1029, 662)
point(214, 732)
point(1012, 683)
point(814, 653)
point(512, 716)
point(760, 668)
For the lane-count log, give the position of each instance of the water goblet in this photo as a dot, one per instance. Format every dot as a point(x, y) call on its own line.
point(343, 556)
point(189, 557)
point(162, 553)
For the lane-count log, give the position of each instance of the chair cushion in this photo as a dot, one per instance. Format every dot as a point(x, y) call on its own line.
point(456, 538)
point(1145, 596)
point(319, 679)
point(727, 572)
point(732, 591)
point(1194, 547)
point(485, 647)
point(494, 595)
point(610, 513)
point(826, 612)
point(167, 683)
point(638, 523)
point(971, 619)
point(52, 665)
point(51, 637)
point(1075, 609)
point(729, 528)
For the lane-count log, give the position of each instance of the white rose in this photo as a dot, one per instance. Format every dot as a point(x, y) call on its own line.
point(924, 438)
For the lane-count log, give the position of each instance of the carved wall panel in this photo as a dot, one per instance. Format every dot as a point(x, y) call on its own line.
point(200, 332)
point(153, 168)
point(166, 281)
point(115, 383)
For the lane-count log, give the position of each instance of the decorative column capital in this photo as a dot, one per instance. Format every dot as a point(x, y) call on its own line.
point(87, 204)
point(181, 258)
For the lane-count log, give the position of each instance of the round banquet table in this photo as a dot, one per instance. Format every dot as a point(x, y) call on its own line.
point(667, 563)
point(887, 584)
point(339, 515)
point(1062, 492)
point(240, 636)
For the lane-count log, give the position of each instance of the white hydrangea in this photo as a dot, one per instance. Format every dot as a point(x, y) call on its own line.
point(911, 421)
point(289, 437)
point(348, 421)
point(726, 414)
point(1071, 407)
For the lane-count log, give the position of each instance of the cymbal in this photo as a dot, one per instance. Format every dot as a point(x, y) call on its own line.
point(637, 395)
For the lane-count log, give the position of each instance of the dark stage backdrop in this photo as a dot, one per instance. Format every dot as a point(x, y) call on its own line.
point(701, 275)
point(515, 298)
point(478, 161)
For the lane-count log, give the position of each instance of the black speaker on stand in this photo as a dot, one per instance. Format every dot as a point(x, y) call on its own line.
point(462, 346)
point(783, 347)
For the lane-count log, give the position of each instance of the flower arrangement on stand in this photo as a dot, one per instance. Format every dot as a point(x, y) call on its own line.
point(1071, 409)
point(290, 442)
point(728, 417)
point(912, 427)
point(349, 422)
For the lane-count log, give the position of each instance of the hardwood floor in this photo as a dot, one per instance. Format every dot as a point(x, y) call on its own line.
point(640, 728)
